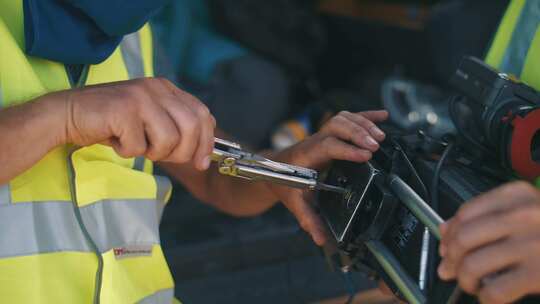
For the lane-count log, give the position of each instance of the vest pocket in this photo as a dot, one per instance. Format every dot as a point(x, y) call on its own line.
point(100, 174)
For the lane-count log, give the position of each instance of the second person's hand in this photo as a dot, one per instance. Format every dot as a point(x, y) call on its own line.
point(347, 136)
point(492, 245)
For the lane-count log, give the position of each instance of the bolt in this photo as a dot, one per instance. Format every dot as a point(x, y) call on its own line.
point(225, 170)
point(229, 161)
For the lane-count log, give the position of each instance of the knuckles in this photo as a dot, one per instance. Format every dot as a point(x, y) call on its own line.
point(524, 190)
point(527, 214)
point(343, 114)
point(190, 126)
point(151, 82)
point(180, 158)
point(161, 80)
point(459, 244)
point(461, 215)
point(336, 122)
point(327, 143)
point(535, 248)
point(125, 152)
point(521, 186)
point(467, 275)
point(164, 144)
point(138, 150)
point(492, 295)
point(201, 110)
point(134, 150)
point(304, 225)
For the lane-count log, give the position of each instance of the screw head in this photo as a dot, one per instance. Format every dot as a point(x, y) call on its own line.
point(225, 170)
point(342, 180)
point(229, 161)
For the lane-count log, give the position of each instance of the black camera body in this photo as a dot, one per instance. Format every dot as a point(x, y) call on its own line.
point(371, 219)
point(503, 116)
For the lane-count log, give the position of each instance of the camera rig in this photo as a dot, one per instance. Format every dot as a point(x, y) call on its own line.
point(387, 221)
point(381, 223)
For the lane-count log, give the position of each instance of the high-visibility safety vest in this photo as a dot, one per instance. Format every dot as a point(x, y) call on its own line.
point(516, 46)
point(81, 225)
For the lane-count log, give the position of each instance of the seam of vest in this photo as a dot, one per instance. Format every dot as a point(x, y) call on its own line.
point(138, 163)
point(522, 37)
point(163, 296)
point(132, 55)
point(163, 188)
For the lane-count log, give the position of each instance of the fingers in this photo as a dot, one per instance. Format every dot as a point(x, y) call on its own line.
point(375, 116)
point(487, 218)
point(195, 124)
point(306, 216)
point(357, 128)
point(367, 119)
point(147, 116)
point(206, 136)
point(488, 261)
point(131, 143)
point(332, 148)
point(206, 146)
point(471, 235)
point(344, 128)
point(511, 285)
point(463, 238)
point(500, 199)
point(384, 288)
point(161, 132)
point(190, 130)
point(493, 234)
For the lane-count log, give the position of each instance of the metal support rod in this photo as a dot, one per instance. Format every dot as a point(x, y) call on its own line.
point(424, 254)
point(416, 205)
point(397, 274)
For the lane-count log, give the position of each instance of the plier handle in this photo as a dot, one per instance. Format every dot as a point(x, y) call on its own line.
point(232, 160)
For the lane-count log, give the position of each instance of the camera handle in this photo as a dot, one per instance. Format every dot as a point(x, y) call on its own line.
point(416, 204)
point(423, 212)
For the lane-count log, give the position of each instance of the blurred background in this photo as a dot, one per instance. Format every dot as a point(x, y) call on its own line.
point(271, 72)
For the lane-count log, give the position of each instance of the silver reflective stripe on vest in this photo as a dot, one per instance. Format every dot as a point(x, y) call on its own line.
point(132, 54)
point(5, 195)
point(41, 227)
point(30, 228)
point(118, 223)
point(522, 37)
point(164, 296)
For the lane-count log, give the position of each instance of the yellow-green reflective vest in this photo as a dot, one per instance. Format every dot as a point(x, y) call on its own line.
point(79, 226)
point(516, 46)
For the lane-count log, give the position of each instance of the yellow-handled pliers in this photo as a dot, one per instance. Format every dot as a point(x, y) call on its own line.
point(234, 161)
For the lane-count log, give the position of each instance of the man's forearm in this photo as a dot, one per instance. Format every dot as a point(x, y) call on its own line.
point(28, 132)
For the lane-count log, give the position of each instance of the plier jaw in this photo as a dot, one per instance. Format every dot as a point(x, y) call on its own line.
point(234, 161)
